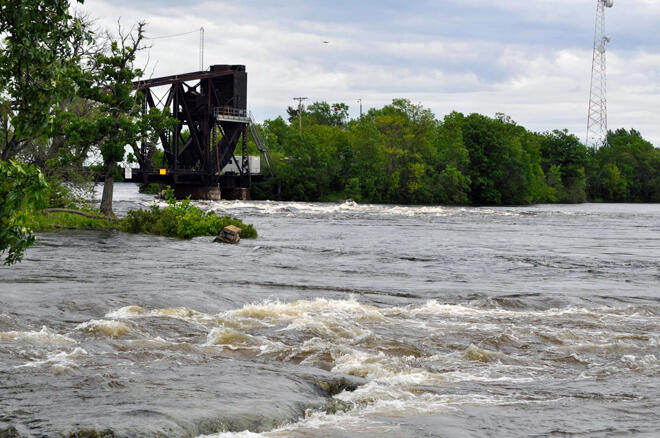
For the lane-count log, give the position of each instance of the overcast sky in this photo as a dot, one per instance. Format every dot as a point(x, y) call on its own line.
point(530, 59)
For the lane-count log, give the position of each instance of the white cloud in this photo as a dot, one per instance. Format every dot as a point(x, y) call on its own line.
point(530, 60)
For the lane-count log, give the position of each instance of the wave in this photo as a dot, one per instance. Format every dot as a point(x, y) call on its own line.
point(44, 336)
point(183, 313)
point(105, 327)
point(408, 358)
point(423, 359)
point(350, 322)
point(60, 362)
point(350, 208)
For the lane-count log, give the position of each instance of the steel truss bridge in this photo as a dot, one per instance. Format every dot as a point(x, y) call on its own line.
point(212, 119)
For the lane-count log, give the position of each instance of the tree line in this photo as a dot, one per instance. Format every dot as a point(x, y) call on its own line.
point(401, 153)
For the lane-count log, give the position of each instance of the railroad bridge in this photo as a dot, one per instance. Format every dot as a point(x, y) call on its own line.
point(211, 110)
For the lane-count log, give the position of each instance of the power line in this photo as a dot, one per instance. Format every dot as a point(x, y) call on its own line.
point(172, 36)
point(201, 42)
point(201, 48)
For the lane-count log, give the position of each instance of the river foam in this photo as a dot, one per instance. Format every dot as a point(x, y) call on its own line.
point(44, 336)
point(60, 362)
point(105, 327)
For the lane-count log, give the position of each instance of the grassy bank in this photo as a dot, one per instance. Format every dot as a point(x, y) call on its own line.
point(40, 221)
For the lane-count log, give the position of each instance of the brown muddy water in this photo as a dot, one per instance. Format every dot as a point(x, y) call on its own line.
point(341, 320)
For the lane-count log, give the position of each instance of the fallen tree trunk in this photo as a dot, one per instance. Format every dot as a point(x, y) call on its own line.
point(81, 213)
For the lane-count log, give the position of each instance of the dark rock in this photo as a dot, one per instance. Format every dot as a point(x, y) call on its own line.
point(335, 386)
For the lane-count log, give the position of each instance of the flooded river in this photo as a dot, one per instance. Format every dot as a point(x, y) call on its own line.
point(340, 320)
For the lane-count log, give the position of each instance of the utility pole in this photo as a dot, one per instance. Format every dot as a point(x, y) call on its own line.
point(597, 117)
point(300, 108)
point(360, 102)
point(201, 48)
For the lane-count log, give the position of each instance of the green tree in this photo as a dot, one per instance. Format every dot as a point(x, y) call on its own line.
point(614, 186)
point(453, 160)
point(120, 120)
point(367, 178)
point(62, 157)
point(22, 190)
point(406, 135)
point(565, 152)
point(37, 66)
point(453, 186)
point(626, 169)
point(502, 161)
point(553, 180)
point(322, 113)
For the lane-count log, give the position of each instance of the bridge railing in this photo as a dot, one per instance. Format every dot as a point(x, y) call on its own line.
point(229, 112)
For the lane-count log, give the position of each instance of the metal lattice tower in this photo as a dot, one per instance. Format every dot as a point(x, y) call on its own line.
point(597, 118)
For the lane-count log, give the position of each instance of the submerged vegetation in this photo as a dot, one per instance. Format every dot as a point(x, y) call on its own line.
point(44, 221)
point(182, 220)
point(178, 219)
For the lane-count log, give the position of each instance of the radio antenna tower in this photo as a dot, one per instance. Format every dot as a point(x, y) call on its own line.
point(597, 118)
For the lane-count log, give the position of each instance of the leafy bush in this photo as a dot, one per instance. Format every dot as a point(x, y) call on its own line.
point(22, 190)
point(182, 220)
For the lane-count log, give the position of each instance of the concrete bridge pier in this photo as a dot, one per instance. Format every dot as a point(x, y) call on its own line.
point(212, 193)
point(237, 193)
